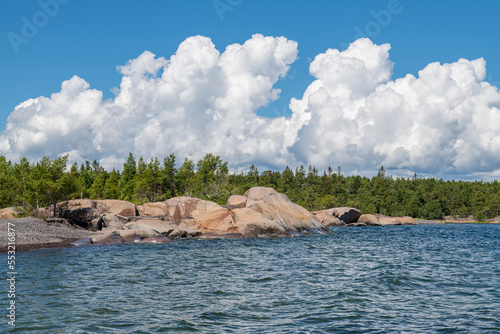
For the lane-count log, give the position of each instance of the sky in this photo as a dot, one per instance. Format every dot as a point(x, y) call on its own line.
point(408, 84)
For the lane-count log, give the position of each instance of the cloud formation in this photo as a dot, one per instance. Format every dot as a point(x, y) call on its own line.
point(445, 121)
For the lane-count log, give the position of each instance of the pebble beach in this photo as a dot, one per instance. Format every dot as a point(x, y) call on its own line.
point(33, 233)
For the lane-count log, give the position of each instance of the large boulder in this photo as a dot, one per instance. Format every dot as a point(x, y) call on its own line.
point(369, 220)
point(346, 214)
point(153, 209)
point(189, 215)
point(121, 208)
point(328, 219)
point(93, 214)
point(110, 222)
point(9, 213)
point(198, 214)
point(261, 211)
point(237, 201)
point(251, 223)
point(386, 220)
point(83, 213)
point(287, 217)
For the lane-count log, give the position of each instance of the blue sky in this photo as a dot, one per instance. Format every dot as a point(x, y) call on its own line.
point(91, 38)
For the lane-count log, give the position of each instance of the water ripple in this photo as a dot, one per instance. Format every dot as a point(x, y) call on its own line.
point(402, 279)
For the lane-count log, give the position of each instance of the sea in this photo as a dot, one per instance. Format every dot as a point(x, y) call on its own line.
point(390, 279)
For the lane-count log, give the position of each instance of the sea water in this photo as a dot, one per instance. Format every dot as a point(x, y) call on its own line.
point(392, 279)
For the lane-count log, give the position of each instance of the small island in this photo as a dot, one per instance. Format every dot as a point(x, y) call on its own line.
point(158, 203)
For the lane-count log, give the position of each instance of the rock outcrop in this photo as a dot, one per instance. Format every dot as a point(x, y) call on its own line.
point(260, 212)
point(280, 215)
point(237, 201)
point(122, 208)
point(328, 219)
point(191, 214)
point(84, 213)
point(368, 220)
point(347, 215)
point(386, 220)
point(92, 214)
point(152, 209)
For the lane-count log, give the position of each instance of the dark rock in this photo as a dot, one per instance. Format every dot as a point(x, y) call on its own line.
point(82, 242)
point(346, 214)
point(113, 239)
point(81, 216)
point(132, 239)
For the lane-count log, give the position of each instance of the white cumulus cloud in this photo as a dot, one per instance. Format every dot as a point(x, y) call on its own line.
point(445, 121)
point(201, 101)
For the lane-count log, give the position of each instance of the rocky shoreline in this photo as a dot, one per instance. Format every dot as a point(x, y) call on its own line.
point(34, 233)
point(260, 212)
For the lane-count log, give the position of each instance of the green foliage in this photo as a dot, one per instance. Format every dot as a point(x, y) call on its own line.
point(185, 178)
point(168, 177)
point(45, 184)
point(98, 188)
point(210, 179)
point(27, 185)
point(148, 181)
point(8, 183)
point(111, 189)
point(127, 187)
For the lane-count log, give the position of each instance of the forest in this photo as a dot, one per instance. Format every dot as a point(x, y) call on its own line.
point(30, 185)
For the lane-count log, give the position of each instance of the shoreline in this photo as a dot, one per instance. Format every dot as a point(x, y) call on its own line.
point(34, 233)
point(37, 234)
point(31, 247)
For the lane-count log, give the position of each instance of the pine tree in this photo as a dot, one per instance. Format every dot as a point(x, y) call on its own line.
point(111, 189)
point(168, 177)
point(127, 186)
point(97, 191)
point(185, 178)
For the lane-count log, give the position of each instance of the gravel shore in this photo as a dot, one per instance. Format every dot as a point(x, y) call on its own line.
point(33, 233)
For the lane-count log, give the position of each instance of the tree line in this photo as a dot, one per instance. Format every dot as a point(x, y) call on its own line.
point(31, 185)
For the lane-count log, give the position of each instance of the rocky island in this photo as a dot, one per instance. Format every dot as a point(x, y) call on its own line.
point(260, 212)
